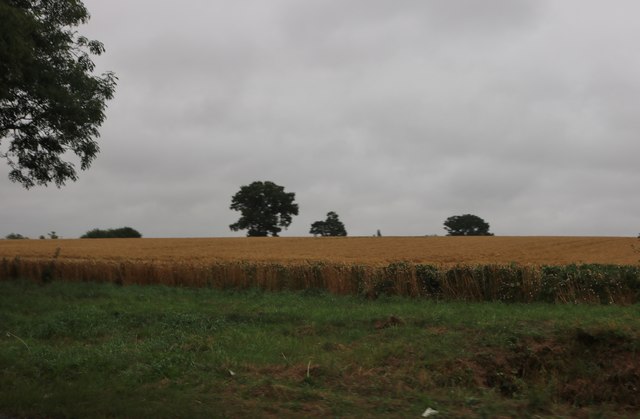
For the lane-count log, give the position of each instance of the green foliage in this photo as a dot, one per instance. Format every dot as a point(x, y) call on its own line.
point(112, 233)
point(15, 236)
point(427, 276)
point(605, 284)
point(97, 350)
point(51, 104)
point(466, 225)
point(265, 209)
point(589, 283)
point(332, 226)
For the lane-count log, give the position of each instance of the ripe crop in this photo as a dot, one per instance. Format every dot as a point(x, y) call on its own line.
point(560, 269)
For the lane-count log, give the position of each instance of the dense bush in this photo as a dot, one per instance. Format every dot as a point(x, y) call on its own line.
point(112, 233)
point(15, 236)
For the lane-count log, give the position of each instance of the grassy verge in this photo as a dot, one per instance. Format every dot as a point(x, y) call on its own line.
point(99, 350)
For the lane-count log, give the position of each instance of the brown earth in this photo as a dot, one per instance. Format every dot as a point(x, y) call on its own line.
point(573, 373)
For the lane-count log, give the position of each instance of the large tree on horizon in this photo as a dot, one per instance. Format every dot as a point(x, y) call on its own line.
point(265, 209)
point(51, 103)
point(466, 225)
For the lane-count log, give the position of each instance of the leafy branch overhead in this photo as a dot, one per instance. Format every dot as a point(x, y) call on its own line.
point(51, 104)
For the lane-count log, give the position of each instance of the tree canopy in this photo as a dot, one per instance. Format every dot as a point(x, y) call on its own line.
point(51, 104)
point(332, 226)
point(466, 225)
point(265, 209)
point(112, 233)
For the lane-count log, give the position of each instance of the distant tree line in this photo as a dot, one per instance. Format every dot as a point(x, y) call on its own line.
point(265, 209)
point(16, 236)
point(96, 233)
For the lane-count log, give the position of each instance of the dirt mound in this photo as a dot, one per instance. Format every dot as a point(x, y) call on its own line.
point(585, 368)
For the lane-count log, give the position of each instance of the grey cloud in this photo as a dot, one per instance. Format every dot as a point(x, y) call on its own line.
point(396, 115)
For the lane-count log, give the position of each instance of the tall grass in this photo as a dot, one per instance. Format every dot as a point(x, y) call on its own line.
point(586, 283)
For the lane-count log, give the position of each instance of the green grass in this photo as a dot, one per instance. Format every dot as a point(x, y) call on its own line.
point(99, 350)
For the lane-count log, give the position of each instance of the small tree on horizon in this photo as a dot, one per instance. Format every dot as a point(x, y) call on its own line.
point(466, 225)
point(332, 226)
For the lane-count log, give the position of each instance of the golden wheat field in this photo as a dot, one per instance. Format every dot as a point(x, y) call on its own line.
point(362, 250)
point(524, 269)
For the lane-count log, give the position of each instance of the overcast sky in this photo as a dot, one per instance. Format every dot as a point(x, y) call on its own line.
point(394, 114)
